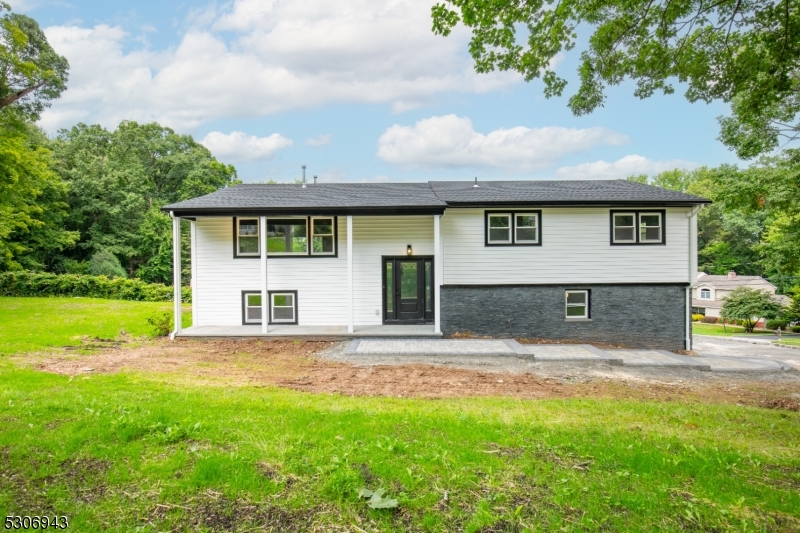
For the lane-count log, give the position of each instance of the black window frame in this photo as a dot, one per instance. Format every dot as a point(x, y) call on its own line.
point(244, 308)
point(296, 308)
point(513, 228)
point(309, 237)
point(588, 305)
point(636, 228)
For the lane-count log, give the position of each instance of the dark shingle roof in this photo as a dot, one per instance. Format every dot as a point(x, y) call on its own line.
point(326, 197)
point(559, 192)
point(423, 198)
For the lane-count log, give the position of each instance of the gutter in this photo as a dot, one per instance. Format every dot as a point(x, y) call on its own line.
point(692, 270)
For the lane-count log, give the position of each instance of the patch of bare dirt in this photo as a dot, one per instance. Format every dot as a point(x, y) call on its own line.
point(295, 364)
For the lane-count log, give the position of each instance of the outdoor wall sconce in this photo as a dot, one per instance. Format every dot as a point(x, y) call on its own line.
point(408, 249)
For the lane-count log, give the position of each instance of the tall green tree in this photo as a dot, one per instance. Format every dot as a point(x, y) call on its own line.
point(118, 182)
point(32, 198)
point(743, 52)
point(32, 74)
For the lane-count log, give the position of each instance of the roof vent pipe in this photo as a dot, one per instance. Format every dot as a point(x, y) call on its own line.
point(304, 176)
point(315, 180)
point(476, 183)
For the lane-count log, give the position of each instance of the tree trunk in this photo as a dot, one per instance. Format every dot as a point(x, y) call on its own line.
point(13, 97)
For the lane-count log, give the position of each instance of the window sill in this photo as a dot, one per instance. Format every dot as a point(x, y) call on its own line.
point(577, 319)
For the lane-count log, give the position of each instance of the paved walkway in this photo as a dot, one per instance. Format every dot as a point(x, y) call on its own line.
point(574, 353)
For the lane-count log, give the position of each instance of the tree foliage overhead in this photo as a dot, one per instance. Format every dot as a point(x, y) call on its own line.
point(31, 72)
point(118, 182)
point(743, 52)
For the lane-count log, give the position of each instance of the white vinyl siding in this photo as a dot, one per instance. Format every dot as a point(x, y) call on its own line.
point(374, 237)
point(575, 249)
point(321, 282)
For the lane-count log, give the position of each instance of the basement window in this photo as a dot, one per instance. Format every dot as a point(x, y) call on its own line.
point(283, 307)
point(577, 304)
point(251, 307)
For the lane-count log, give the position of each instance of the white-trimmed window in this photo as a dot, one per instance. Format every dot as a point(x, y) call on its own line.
point(283, 307)
point(499, 228)
point(577, 304)
point(322, 241)
point(624, 228)
point(637, 227)
point(247, 237)
point(287, 236)
point(526, 228)
point(251, 307)
point(705, 294)
point(650, 227)
point(513, 228)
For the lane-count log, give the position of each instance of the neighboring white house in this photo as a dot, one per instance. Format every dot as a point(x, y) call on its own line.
point(605, 261)
point(709, 291)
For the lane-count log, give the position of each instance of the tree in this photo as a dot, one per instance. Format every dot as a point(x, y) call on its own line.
point(31, 72)
point(32, 198)
point(104, 263)
point(743, 52)
point(118, 182)
point(749, 305)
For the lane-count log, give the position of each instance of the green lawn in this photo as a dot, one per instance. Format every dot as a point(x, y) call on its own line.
point(717, 330)
point(790, 341)
point(28, 324)
point(128, 452)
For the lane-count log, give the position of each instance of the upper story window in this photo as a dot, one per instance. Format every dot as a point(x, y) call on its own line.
point(705, 294)
point(286, 237)
point(637, 227)
point(513, 228)
point(247, 237)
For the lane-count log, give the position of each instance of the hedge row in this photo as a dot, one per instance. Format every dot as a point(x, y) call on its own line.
point(24, 283)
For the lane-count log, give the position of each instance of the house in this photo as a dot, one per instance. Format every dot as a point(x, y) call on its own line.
point(709, 292)
point(601, 261)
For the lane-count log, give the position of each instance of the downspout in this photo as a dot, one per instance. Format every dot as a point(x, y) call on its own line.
point(692, 264)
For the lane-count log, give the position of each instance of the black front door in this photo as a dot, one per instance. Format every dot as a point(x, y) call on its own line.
point(407, 290)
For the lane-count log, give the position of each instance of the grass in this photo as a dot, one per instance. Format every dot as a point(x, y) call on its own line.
point(128, 452)
point(717, 330)
point(789, 341)
point(30, 324)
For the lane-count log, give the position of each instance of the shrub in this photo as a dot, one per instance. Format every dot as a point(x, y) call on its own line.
point(162, 324)
point(776, 323)
point(697, 317)
point(796, 329)
point(710, 319)
point(24, 283)
point(104, 263)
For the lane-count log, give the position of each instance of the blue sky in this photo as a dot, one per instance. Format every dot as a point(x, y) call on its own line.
point(357, 90)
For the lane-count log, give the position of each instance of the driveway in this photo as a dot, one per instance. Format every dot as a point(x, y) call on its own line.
point(709, 346)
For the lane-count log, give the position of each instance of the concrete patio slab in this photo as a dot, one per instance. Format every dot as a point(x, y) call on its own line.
point(744, 364)
point(422, 330)
point(482, 347)
point(570, 352)
point(655, 358)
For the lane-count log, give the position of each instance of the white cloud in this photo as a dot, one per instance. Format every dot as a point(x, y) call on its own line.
point(319, 140)
point(238, 146)
point(451, 141)
point(253, 58)
point(622, 168)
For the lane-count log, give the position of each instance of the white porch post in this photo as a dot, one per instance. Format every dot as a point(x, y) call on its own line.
point(262, 237)
point(350, 274)
point(437, 273)
point(193, 265)
point(176, 274)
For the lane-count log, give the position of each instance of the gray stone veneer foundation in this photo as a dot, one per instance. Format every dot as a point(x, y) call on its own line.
point(637, 316)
